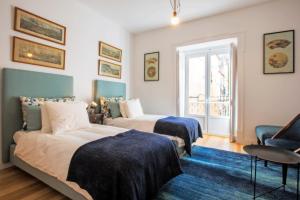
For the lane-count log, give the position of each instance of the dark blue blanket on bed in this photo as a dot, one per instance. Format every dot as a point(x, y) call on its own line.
point(188, 129)
point(129, 166)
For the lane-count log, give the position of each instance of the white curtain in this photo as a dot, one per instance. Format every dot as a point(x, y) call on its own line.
point(233, 100)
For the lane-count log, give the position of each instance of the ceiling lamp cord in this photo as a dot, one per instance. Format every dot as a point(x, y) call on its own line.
point(175, 4)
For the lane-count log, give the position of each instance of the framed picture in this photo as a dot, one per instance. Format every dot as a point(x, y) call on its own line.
point(279, 52)
point(110, 52)
point(25, 51)
point(109, 69)
point(151, 66)
point(37, 26)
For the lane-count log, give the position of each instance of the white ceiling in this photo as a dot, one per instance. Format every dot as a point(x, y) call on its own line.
point(141, 15)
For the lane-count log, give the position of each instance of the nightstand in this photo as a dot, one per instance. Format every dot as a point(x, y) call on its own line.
point(96, 118)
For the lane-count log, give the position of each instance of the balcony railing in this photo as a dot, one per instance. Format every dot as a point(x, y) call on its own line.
point(217, 108)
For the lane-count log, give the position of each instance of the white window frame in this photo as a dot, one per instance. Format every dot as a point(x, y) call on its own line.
point(206, 53)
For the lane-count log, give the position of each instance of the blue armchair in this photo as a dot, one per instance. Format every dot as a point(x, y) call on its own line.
point(264, 132)
point(288, 137)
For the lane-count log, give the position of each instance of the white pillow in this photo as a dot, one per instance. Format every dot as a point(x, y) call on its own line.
point(67, 116)
point(123, 108)
point(134, 108)
point(46, 125)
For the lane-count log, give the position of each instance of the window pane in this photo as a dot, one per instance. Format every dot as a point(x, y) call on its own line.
point(219, 84)
point(196, 92)
point(218, 109)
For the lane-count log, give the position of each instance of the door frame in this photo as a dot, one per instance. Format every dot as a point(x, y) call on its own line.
point(238, 39)
point(205, 52)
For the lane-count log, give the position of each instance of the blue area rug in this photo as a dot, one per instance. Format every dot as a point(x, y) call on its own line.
point(216, 174)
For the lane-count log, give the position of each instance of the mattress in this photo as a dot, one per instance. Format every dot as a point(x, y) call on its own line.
point(143, 123)
point(52, 153)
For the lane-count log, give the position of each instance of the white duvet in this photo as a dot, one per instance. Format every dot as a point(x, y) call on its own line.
point(52, 153)
point(144, 123)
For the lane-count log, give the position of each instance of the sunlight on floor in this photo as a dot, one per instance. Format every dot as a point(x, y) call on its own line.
point(219, 143)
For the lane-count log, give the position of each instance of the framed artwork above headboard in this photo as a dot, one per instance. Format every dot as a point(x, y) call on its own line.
point(18, 83)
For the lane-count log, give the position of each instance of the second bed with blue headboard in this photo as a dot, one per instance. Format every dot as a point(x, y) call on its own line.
point(183, 131)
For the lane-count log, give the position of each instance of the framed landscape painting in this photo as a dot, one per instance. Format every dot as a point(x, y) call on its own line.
point(109, 69)
point(151, 66)
point(110, 52)
point(29, 23)
point(279, 52)
point(25, 51)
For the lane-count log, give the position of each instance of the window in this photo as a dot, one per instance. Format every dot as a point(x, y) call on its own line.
point(205, 81)
point(196, 85)
point(219, 98)
point(208, 87)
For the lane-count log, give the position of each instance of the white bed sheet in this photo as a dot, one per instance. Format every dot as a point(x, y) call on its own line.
point(52, 153)
point(142, 123)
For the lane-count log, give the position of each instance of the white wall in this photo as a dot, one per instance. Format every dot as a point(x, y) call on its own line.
point(267, 99)
point(85, 28)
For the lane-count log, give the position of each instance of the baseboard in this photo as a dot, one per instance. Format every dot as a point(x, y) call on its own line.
point(217, 135)
point(244, 141)
point(6, 165)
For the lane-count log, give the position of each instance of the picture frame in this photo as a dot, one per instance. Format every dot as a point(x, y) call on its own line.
point(110, 52)
point(279, 52)
point(151, 66)
point(37, 26)
point(29, 52)
point(109, 69)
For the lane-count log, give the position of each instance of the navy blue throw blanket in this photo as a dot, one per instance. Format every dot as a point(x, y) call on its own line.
point(129, 166)
point(188, 129)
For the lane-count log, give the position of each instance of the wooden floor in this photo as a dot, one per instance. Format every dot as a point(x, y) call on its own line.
point(17, 185)
point(219, 143)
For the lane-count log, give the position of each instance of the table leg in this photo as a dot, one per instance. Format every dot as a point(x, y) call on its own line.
point(251, 168)
point(284, 175)
point(298, 181)
point(254, 185)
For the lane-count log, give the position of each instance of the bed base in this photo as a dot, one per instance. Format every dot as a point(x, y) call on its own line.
point(52, 181)
point(42, 176)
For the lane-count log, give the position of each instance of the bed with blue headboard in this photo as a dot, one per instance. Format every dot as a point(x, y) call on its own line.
point(16, 83)
point(109, 89)
point(171, 126)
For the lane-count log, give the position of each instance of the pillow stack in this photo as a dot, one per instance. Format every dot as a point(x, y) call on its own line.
point(54, 115)
point(133, 108)
point(31, 110)
point(117, 107)
point(110, 106)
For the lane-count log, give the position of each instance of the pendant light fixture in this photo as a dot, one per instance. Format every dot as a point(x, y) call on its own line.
point(175, 4)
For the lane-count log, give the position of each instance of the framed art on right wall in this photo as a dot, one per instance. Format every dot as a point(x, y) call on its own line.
point(279, 52)
point(151, 66)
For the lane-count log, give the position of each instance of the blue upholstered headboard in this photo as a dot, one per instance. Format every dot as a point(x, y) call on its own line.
point(109, 89)
point(26, 83)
